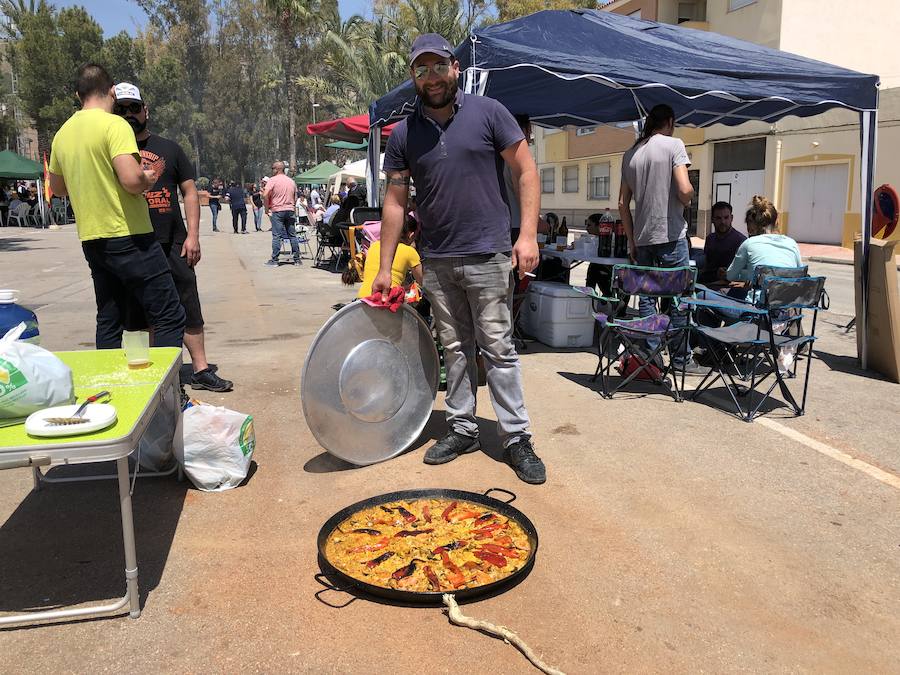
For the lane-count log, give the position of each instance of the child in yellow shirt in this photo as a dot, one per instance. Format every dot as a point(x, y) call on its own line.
point(406, 260)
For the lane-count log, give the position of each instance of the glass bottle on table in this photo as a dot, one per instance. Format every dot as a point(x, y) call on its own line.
point(621, 246)
point(562, 235)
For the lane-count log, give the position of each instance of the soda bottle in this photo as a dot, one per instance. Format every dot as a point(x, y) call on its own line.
point(605, 246)
point(621, 246)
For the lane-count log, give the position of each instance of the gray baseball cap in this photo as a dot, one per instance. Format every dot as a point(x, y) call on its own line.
point(430, 43)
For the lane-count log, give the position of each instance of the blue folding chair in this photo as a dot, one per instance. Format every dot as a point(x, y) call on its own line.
point(747, 353)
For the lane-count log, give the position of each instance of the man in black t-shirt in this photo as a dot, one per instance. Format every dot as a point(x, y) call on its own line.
point(237, 199)
point(181, 245)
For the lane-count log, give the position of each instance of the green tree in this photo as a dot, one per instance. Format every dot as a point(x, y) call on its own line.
point(299, 26)
point(44, 75)
point(240, 138)
point(179, 32)
point(8, 127)
point(16, 11)
point(513, 9)
point(123, 57)
point(81, 38)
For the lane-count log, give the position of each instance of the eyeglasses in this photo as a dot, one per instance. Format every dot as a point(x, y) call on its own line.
point(134, 108)
point(439, 69)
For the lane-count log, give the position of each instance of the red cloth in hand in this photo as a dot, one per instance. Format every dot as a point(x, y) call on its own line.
point(392, 300)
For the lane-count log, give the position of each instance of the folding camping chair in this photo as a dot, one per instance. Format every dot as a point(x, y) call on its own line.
point(745, 354)
point(363, 214)
point(730, 309)
point(329, 237)
point(639, 358)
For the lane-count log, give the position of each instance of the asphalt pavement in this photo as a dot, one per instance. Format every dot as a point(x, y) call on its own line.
point(673, 537)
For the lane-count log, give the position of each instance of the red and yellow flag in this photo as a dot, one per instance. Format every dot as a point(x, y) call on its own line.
point(48, 193)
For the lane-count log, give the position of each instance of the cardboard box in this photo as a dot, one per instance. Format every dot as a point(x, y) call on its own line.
point(883, 315)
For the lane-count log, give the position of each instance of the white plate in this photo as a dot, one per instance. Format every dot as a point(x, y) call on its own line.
point(101, 415)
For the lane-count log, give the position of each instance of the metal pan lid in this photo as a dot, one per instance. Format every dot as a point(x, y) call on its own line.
point(369, 382)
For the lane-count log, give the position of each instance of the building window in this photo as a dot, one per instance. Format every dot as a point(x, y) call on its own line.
point(548, 181)
point(737, 4)
point(585, 131)
point(691, 11)
point(598, 181)
point(570, 178)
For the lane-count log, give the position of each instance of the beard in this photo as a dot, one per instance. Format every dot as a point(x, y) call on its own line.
point(136, 125)
point(440, 99)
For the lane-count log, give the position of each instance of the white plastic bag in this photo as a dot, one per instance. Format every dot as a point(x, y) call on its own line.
point(218, 447)
point(31, 378)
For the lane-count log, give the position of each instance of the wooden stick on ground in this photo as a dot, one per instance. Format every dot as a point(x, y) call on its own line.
point(460, 619)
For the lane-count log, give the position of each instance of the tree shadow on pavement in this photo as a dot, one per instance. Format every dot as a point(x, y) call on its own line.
point(63, 544)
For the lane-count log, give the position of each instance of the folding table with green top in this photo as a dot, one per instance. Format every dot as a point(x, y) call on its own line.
point(136, 395)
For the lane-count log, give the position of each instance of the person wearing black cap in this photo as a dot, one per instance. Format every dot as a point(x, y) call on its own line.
point(181, 245)
point(456, 144)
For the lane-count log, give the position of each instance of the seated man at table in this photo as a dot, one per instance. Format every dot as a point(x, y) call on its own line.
point(721, 244)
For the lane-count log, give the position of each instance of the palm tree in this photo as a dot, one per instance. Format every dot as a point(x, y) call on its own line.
point(15, 11)
point(298, 23)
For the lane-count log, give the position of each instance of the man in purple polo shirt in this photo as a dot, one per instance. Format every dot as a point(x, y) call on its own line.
point(454, 146)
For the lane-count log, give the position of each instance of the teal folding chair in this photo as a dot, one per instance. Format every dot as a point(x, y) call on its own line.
point(747, 353)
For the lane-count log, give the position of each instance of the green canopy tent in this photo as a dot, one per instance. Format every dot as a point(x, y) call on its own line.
point(347, 145)
point(18, 167)
point(318, 175)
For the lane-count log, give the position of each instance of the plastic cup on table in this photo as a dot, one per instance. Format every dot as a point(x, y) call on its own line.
point(136, 344)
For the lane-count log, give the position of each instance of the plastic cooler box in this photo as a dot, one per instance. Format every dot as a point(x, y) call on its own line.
point(557, 315)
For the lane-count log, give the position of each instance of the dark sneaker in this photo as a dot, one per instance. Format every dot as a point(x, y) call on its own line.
point(450, 447)
point(272, 263)
point(298, 262)
point(206, 379)
point(527, 465)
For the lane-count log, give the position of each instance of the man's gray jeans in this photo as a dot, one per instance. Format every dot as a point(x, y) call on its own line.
point(471, 299)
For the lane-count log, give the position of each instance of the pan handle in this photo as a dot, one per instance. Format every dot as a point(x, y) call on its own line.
point(508, 501)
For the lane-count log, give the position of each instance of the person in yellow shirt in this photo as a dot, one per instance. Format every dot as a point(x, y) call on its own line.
point(94, 159)
point(406, 260)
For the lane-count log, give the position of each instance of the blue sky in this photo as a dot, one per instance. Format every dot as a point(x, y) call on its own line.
point(117, 15)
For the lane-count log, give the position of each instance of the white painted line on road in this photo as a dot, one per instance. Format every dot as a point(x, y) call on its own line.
point(834, 453)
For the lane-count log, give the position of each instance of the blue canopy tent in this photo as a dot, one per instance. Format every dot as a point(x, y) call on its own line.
point(588, 67)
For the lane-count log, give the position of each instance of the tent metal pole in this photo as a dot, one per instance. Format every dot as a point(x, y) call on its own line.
point(373, 177)
point(868, 143)
point(41, 204)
